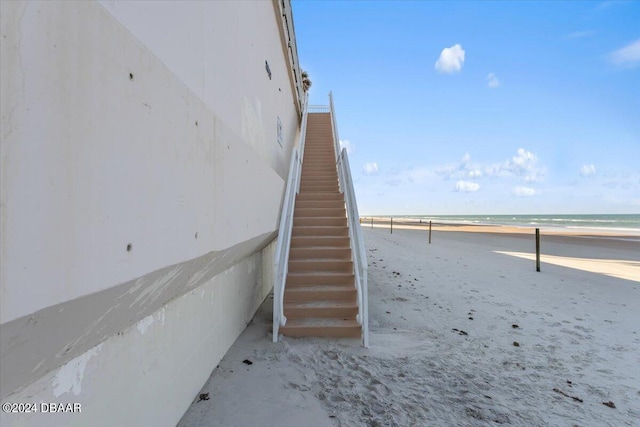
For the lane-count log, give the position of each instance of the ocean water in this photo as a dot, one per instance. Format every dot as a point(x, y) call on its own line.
point(610, 221)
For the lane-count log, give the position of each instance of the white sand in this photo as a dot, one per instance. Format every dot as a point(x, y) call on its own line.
point(578, 333)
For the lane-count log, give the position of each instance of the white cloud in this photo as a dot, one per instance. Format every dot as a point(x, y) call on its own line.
point(467, 186)
point(463, 169)
point(628, 56)
point(523, 165)
point(451, 60)
point(587, 170)
point(524, 191)
point(348, 145)
point(492, 80)
point(370, 168)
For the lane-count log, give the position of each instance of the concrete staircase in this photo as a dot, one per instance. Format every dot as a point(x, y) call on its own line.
point(320, 297)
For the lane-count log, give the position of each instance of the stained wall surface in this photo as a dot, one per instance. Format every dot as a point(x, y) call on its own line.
point(140, 166)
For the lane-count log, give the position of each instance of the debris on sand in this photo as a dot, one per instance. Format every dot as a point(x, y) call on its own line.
point(516, 344)
point(610, 404)
point(247, 362)
point(577, 399)
point(203, 396)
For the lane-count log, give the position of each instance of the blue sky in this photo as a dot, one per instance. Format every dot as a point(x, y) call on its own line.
point(481, 107)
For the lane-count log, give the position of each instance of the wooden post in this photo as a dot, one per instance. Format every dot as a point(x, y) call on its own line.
point(372, 223)
point(537, 249)
point(429, 232)
point(391, 225)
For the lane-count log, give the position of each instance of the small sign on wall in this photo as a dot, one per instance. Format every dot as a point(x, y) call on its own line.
point(279, 132)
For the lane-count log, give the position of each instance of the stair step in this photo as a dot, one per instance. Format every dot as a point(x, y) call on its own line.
point(318, 162)
point(323, 253)
point(319, 230)
point(306, 212)
point(321, 309)
point(318, 220)
point(313, 170)
point(319, 187)
point(319, 204)
point(320, 241)
point(314, 176)
point(312, 156)
point(322, 328)
point(310, 182)
point(317, 278)
point(327, 164)
point(331, 175)
point(310, 162)
point(320, 266)
point(310, 187)
point(321, 292)
point(310, 195)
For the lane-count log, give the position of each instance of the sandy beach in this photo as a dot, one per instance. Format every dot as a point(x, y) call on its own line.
point(464, 332)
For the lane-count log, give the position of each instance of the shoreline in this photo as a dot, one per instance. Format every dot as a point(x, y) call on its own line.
point(631, 234)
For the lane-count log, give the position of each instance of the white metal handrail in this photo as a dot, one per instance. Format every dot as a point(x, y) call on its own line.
point(360, 266)
point(281, 262)
point(336, 137)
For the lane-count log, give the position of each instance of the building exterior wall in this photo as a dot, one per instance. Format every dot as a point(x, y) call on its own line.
point(140, 171)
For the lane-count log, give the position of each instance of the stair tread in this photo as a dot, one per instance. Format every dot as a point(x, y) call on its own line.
point(314, 279)
point(322, 288)
point(318, 217)
point(322, 322)
point(319, 227)
point(321, 304)
point(315, 273)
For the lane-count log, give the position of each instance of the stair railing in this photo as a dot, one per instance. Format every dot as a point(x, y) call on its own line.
point(281, 261)
point(360, 265)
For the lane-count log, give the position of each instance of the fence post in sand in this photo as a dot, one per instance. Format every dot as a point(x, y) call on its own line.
point(537, 249)
point(429, 232)
point(391, 225)
point(372, 223)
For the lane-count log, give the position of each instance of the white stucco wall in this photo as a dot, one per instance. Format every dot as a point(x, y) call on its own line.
point(141, 376)
point(134, 136)
point(93, 161)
